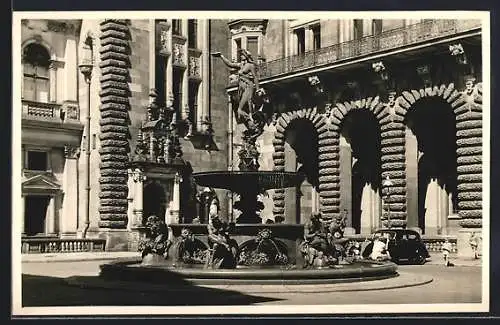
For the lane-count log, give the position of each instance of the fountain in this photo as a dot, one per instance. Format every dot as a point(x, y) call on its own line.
point(247, 251)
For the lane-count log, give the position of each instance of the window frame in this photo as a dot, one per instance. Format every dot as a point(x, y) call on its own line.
point(36, 77)
point(47, 152)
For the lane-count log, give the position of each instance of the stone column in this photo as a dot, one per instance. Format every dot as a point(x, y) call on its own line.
point(368, 205)
point(130, 199)
point(244, 43)
point(176, 200)
point(290, 193)
point(51, 216)
point(70, 71)
point(314, 200)
point(411, 160)
point(138, 196)
point(346, 180)
point(53, 82)
point(168, 70)
point(234, 49)
point(205, 104)
point(295, 43)
point(185, 74)
point(435, 208)
point(309, 38)
point(69, 219)
point(152, 53)
point(22, 213)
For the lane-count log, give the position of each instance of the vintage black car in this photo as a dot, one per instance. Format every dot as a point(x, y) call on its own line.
point(404, 244)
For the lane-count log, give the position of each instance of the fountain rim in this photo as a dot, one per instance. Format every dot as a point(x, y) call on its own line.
point(294, 178)
point(364, 271)
point(245, 172)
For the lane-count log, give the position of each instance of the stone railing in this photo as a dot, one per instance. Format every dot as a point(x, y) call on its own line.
point(433, 244)
point(389, 40)
point(58, 245)
point(37, 110)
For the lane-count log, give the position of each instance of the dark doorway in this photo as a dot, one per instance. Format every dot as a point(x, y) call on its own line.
point(154, 201)
point(35, 211)
point(362, 132)
point(302, 137)
point(432, 121)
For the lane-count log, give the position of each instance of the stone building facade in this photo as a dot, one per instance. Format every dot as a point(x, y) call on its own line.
point(88, 88)
point(383, 118)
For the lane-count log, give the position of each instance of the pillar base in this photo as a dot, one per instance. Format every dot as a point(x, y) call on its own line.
point(117, 240)
point(463, 246)
point(135, 234)
point(349, 231)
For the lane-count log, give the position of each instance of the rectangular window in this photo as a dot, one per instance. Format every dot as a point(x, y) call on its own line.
point(36, 83)
point(300, 35)
point(37, 160)
point(176, 26)
point(358, 28)
point(177, 90)
point(192, 34)
point(377, 26)
point(238, 49)
point(253, 46)
point(193, 102)
point(316, 29)
point(160, 80)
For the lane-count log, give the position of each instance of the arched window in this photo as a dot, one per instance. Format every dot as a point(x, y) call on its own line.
point(36, 62)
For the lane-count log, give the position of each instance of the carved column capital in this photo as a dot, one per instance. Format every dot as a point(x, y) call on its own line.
point(457, 51)
point(138, 175)
point(470, 85)
point(71, 152)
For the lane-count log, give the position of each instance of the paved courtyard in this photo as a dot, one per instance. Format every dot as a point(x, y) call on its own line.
point(44, 285)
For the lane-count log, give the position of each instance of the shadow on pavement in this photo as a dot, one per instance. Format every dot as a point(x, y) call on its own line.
point(45, 291)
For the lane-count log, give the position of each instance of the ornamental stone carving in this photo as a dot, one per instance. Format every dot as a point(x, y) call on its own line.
point(138, 176)
point(194, 66)
point(470, 82)
point(164, 41)
point(71, 152)
point(178, 51)
point(71, 111)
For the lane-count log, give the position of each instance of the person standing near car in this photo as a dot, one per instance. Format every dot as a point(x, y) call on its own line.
point(446, 251)
point(474, 243)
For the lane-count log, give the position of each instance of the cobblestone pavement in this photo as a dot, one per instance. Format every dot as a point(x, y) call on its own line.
point(43, 286)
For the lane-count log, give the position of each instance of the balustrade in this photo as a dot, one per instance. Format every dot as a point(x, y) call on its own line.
point(391, 39)
point(57, 245)
point(41, 110)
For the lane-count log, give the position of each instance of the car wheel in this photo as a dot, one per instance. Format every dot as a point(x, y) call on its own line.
point(419, 259)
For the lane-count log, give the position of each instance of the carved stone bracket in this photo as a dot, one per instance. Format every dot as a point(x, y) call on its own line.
point(424, 72)
point(71, 110)
point(138, 175)
point(71, 152)
point(470, 83)
point(384, 77)
point(458, 52)
point(163, 40)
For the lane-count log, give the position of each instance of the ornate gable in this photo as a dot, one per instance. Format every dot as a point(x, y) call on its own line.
point(41, 183)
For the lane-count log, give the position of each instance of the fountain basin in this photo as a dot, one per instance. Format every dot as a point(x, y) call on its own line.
point(161, 274)
point(247, 181)
point(290, 235)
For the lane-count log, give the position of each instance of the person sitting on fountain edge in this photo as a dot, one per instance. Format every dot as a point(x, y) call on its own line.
point(315, 239)
point(223, 248)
